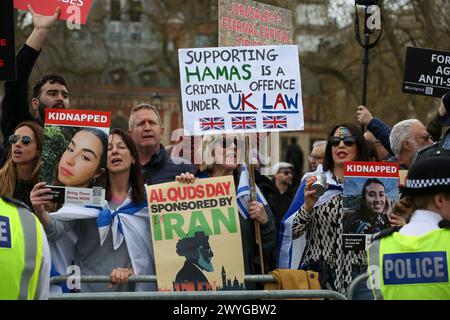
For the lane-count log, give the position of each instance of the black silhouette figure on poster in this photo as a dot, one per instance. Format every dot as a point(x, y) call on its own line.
point(198, 254)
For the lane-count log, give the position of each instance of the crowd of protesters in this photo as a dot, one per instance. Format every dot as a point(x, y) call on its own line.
point(137, 157)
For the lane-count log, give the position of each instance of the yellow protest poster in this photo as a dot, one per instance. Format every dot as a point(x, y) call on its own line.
point(196, 235)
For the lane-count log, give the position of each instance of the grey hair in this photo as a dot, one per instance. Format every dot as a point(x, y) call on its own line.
point(401, 132)
point(319, 143)
point(141, 106)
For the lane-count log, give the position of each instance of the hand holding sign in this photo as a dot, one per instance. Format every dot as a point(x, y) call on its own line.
point(71, 10)
point(42, 25)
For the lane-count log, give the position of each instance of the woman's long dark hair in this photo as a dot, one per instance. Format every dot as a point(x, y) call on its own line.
point(136, 181)
point(361, 146)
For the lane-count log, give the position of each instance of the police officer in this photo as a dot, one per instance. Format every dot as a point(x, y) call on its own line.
point(442, 119)
point(414, 262)
point(24, 253)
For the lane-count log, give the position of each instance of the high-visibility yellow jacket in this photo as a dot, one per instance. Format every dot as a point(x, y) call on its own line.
point(21, 239)
point(411, 267)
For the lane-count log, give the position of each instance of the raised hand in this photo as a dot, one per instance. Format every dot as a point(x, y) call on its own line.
point(364, 116)
point(41, 29)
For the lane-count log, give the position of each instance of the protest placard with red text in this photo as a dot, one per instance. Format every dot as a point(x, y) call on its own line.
point(70, 9)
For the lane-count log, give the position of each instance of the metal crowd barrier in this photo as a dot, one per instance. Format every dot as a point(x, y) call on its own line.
point(191, 295)
point(355, 283)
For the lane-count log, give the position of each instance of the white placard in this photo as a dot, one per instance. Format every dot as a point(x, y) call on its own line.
point(241, 89)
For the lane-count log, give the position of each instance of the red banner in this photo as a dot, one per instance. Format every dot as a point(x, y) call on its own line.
point(69, 8)
point(7, 44)
point(370, 169)
point(80, 118)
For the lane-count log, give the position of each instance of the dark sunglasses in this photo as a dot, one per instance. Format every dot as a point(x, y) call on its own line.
point(14, 138)
point(426, 137)
point(348, 141)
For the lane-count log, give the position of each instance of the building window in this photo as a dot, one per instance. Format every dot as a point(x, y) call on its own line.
point(202, 10)
point(149, 78)
point(118, 76)
point(136, 37)
point(115, 36)
point(203, 40)
point(115, 10)
point(135, 10)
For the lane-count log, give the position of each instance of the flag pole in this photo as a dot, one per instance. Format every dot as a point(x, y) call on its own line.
point(253, 197)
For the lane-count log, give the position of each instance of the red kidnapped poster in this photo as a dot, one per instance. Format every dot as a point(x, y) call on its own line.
point(69, 8)
point(74, 155)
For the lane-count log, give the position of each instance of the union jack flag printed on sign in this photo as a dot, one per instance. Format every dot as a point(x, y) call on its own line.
point(216, 123)
point(243, 122)
point(275, 122)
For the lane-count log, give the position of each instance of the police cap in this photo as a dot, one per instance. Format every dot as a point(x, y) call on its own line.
point(428, 176)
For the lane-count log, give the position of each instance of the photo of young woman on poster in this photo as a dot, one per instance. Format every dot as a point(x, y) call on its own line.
point(373, 212)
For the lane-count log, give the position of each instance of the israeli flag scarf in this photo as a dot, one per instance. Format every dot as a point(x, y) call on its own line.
point(243, 193)
point(129, 222)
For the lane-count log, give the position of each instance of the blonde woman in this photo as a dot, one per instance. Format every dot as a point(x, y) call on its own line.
point(220, 157)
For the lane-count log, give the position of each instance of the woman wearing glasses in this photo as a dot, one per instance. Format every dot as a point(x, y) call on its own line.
point(321, 216)
point(21, 170)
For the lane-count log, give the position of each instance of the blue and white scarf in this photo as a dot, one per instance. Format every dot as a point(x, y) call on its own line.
point(129, 222)
point(243, 193)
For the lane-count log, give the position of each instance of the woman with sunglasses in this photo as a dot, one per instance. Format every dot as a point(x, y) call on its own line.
point(321, 217)
point(114, 240)
point(21, 170)
point(220, 158)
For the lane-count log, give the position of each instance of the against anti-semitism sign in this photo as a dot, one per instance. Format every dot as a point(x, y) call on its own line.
point(7, 50)
point(427, 72)
point(241, 89)
point(250, 23)
point(70, 9)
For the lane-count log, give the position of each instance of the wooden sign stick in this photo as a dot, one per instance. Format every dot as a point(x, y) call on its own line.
point(253, 197)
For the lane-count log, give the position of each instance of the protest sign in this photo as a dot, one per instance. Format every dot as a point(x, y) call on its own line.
point(370, 189)
point(427, 72)
point(73, 10)
point(74, 155)
point(7, 44)
point(250, 23)
point(241, 89)
point(196, 235)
